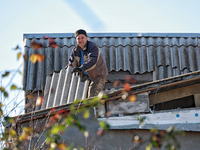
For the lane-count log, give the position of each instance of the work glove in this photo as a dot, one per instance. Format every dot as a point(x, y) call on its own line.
point(84, 78)
point(77, 69)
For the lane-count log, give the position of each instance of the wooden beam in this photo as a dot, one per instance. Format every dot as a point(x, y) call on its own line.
point(174, 94)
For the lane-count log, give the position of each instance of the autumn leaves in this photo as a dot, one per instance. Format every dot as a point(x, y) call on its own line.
point(36, 45)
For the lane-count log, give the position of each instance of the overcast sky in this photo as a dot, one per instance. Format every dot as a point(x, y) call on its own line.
point(66, 16)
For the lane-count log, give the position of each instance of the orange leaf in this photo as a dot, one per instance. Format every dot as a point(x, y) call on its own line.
point(127, 87)
point(40, 57)
point(116, 83)
point(53, 44)
point(52, 119)
point(108, 113)
point(39, 101)
point(130, 79)
point(30, 96)
point(127, 78)
point(56, 116)
point(100, 132)
point(61, 111)
point(50, 40)
point(53, 110)
point(132, 98)
point(33, 58)
point(61, 146)
point(35, 45)
point(44, 37)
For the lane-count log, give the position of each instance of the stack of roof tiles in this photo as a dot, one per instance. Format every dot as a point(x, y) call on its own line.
point(62, 88)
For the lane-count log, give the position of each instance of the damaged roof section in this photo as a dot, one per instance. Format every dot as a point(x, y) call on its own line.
point(167, 55)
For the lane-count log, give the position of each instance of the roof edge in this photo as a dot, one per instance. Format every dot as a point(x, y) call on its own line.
point(62, 35)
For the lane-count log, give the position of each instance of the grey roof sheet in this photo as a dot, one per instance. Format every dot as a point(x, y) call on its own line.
point(167, 54)
point(63, 88)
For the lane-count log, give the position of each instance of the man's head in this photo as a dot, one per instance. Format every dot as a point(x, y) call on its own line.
point(81, 37)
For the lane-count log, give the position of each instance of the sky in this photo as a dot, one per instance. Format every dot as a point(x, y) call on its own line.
point(18, 17)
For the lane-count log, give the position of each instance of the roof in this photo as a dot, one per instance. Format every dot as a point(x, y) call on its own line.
point(166, 54)
point(167, 84)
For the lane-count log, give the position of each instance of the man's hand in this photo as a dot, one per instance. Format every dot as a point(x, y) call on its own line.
point(77, 69)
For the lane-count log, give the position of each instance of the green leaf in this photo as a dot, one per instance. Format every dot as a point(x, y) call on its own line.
point(2, 89)
point(81, 128)
point(20, 72)
point(48, 140)
point(69, 147)
point(85, 101)
point(81, 148)
point(104, 96)
point(12, 132)
point(103, 125)
point(5, 74)
point(69, 120)
point(62, 127)
point(77, 101)
point(57, 136)
point(6, 118)
point(55, 130)
point(148, 147)
point(153, 129)
point(72, 107)
point(5, 136)
point(86, 114)
point(13, 87)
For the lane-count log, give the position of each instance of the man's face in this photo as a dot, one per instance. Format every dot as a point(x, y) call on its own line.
point(81, 40)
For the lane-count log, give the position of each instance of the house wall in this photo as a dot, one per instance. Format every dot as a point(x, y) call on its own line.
point(112, 139)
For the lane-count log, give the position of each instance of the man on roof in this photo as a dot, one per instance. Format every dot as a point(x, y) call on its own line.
point(86, 59)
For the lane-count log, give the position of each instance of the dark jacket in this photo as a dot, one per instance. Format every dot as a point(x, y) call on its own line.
point(94, 64)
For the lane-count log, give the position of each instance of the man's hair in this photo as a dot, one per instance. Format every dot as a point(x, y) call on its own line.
point(80, 31)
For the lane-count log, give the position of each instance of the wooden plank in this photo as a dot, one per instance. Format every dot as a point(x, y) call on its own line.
point(125, 107)
point(174, 94)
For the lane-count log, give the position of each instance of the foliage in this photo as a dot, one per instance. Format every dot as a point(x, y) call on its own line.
point(60, 120)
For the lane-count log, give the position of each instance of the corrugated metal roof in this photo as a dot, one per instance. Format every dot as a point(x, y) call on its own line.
point(166, 54)
point(63, 88)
